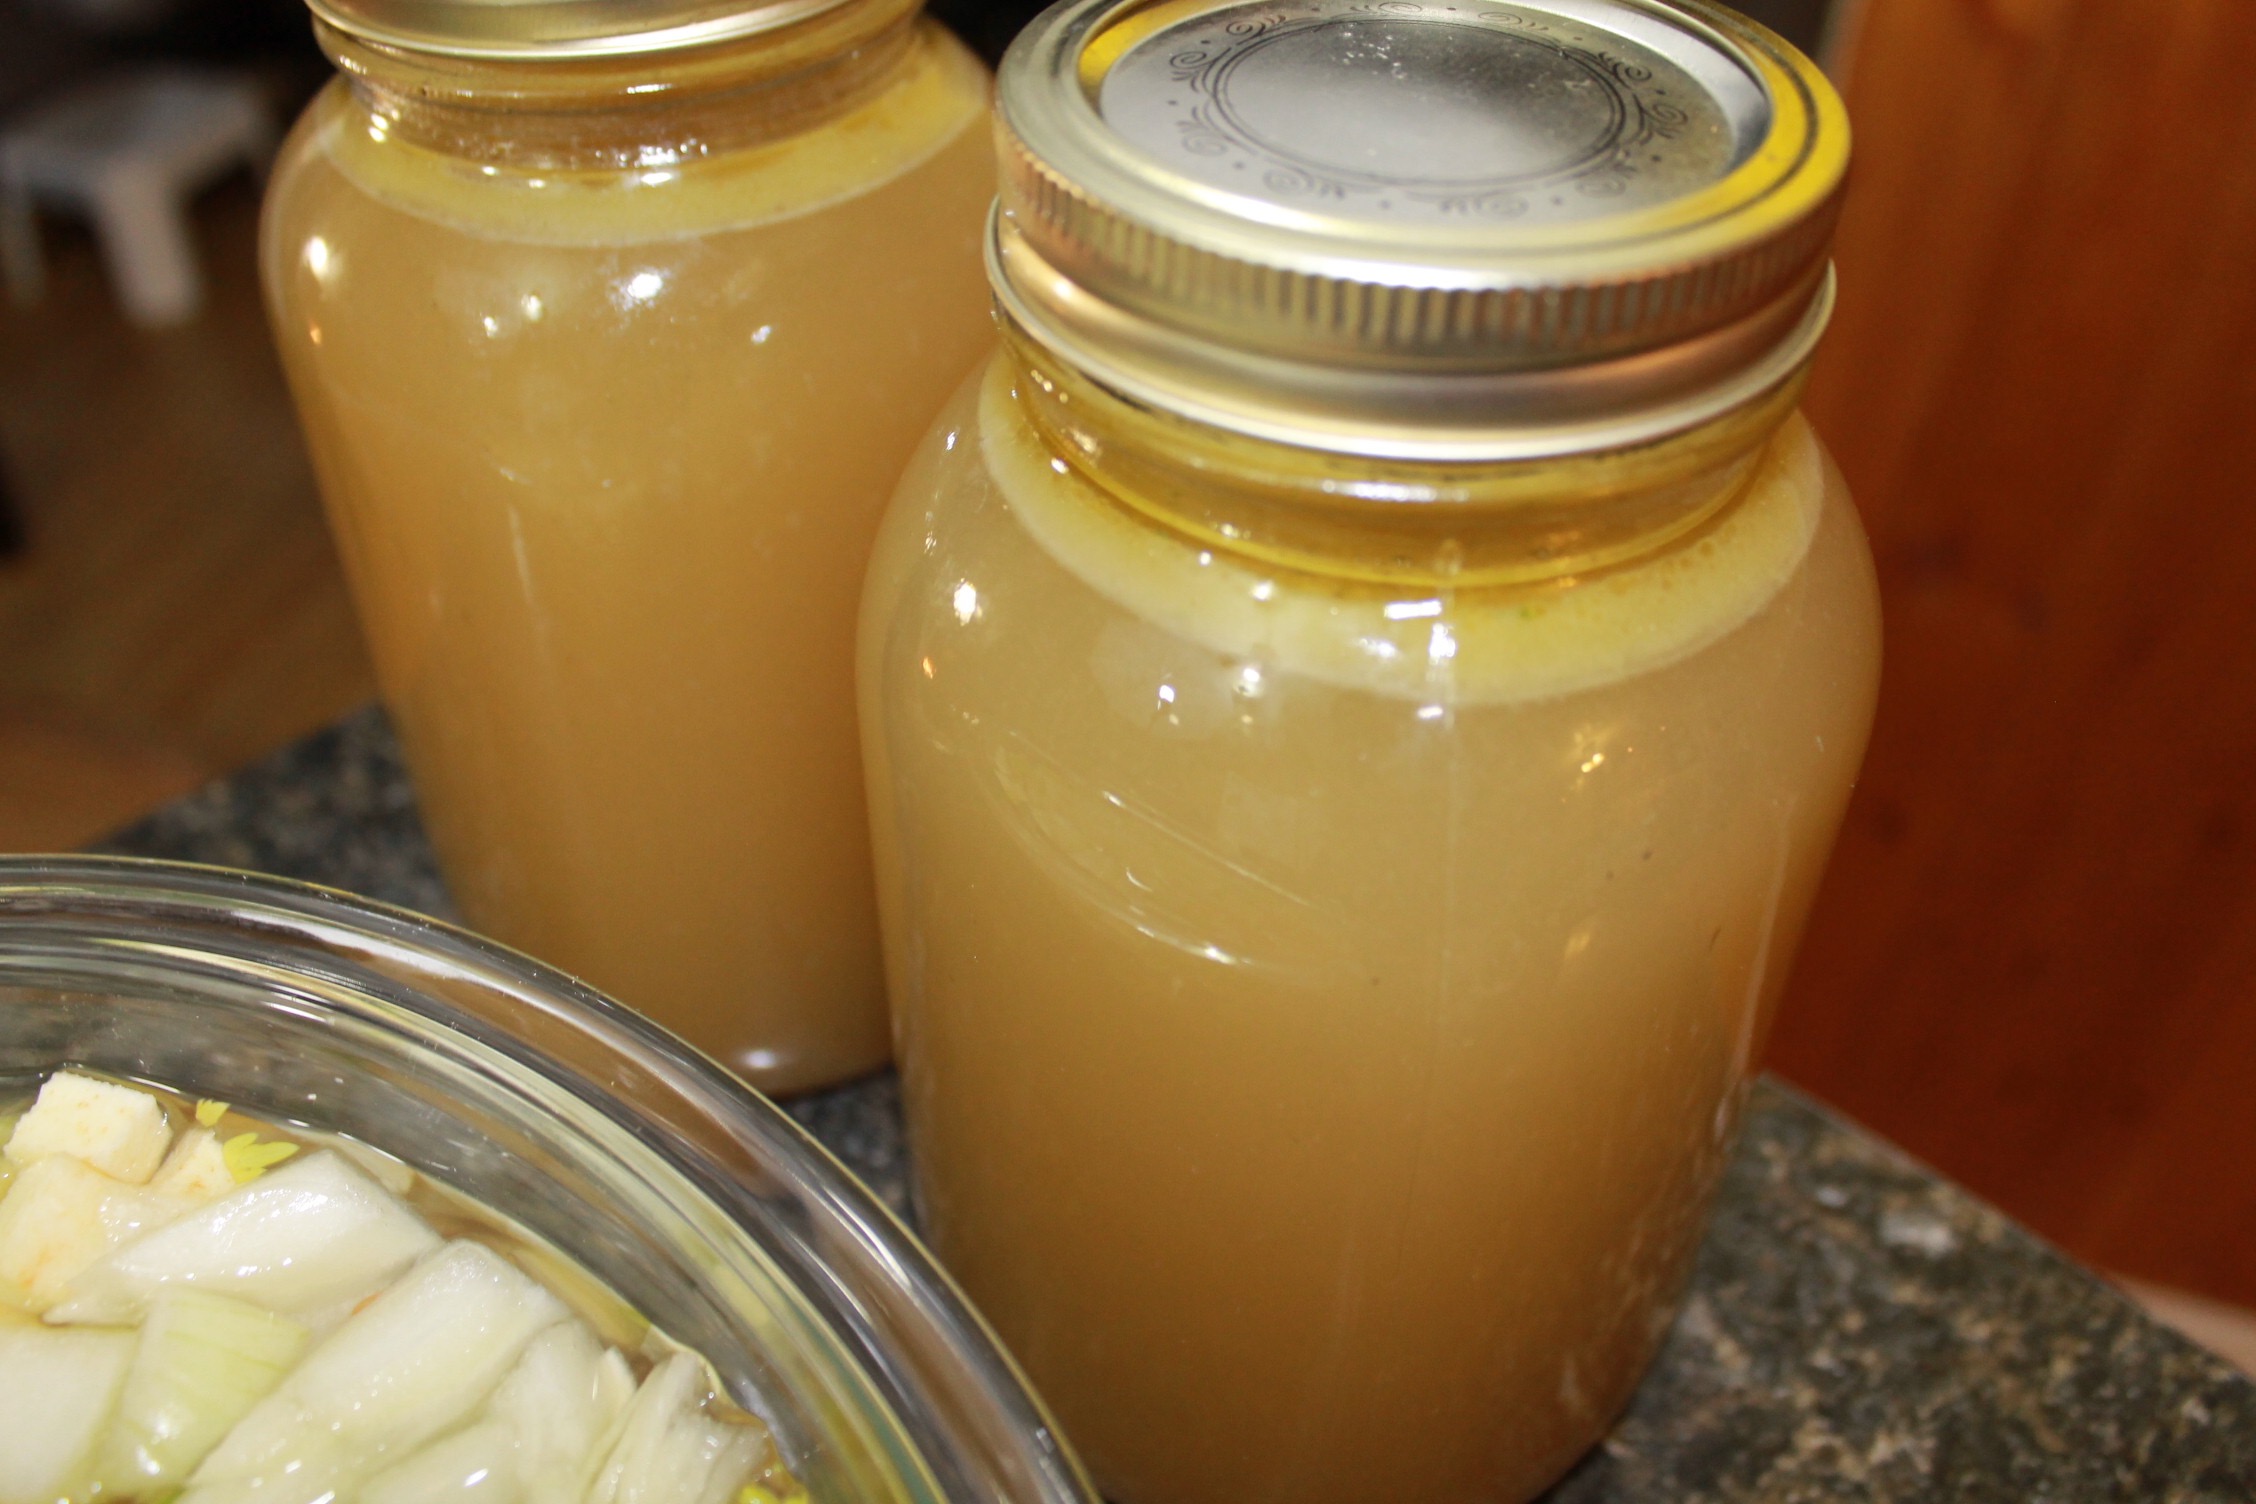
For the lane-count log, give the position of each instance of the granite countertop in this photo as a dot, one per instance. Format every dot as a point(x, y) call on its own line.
point(1857, 1328)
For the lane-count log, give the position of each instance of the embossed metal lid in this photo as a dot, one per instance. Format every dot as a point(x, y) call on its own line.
point(1480, 228)
point(537, 29)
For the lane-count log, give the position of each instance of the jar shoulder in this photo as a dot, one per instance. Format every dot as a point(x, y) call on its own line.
point(998, 519)
point(923, 122)
point(1170, 772)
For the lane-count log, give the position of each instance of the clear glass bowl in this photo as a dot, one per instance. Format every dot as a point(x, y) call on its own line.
point(697, 1200)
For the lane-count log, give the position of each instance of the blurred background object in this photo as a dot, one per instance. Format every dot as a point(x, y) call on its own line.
point(129, 150)
point(173, 608)
point(2034, 963)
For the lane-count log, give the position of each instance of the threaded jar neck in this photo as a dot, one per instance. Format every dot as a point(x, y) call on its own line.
point(1389, 523)
point(619, 113)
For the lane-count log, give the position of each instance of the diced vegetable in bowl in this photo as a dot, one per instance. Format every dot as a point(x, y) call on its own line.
point(195, 1306)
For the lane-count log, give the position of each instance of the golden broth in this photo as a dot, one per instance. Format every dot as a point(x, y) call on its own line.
point(603, 452)
point(1324, 1009)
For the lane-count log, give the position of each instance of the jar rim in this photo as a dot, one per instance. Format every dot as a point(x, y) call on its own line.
point(558, 30)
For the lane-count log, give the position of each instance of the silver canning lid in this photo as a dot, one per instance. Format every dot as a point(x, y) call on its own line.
point(1482, 230)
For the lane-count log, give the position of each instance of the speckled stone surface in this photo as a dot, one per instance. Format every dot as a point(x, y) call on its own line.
point(1857, 1329)
point(335, 808)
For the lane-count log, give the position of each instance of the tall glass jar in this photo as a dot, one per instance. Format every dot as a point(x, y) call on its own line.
point(1357, 697)
point(611, 326)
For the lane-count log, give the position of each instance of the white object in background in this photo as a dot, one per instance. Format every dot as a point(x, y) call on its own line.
point(130, 150)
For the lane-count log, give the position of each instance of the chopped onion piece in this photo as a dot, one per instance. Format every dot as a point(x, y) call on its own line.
point(561, 1402)
point(204, 1361)
point(413, 1364)
point(56, 1392)
point(670, 1452)
point(474, 1466)
point(297, 1238)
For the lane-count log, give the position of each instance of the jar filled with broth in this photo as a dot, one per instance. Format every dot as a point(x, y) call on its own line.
point(1357, 697)
point(611, 326)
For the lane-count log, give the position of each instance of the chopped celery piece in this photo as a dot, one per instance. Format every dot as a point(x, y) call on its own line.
point(670, 1452)
point(56, 1390)
point(412, 1364)
point(204, 1361)
point(295, 1240)
point(761, 1493)
point(249, 1156)
point(478, 1465)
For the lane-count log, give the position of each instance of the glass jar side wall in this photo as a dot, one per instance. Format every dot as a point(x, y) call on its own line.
point(603, 450)
point(1407, 1013)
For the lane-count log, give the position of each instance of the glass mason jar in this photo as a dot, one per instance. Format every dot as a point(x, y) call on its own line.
point(1357, 698)
point(610, 326)
point(698, 1203)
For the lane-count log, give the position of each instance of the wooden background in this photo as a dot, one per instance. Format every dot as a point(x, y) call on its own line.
point(2034, 962)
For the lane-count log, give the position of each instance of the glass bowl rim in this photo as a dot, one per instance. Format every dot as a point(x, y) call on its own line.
point(271, 910)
